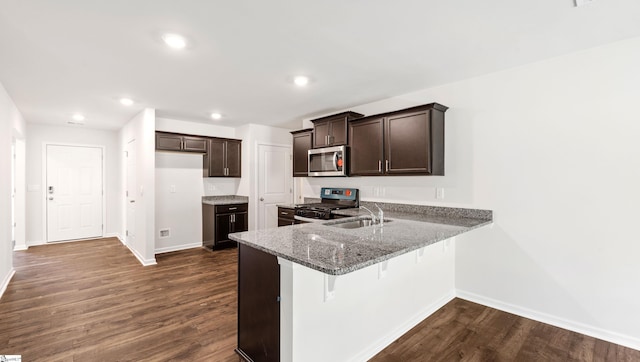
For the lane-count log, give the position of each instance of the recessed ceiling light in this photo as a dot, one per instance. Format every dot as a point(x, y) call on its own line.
point(175, 41)
point(78, 117)
point(216, 116)
point(301, 80)
point(126, 101)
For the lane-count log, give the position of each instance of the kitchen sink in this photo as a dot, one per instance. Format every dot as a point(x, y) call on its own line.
point(354, 224)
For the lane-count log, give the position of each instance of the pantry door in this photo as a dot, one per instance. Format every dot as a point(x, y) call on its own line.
point(274, 182)
point(74, 192)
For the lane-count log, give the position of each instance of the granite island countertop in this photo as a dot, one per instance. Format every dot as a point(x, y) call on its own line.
point(224, 200)
point(338, 251)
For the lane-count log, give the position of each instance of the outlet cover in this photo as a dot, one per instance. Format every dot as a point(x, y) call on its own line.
point(165, 233)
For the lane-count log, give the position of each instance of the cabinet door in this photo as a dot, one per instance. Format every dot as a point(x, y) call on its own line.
point(258, 305)
point(320, 134)
point(302, 143)
point(169, 142)
point(240, 222)
point(216, 157)
point(407, 143)
point(338, 131)
point(233, 158)
point(366, 152)
point(194, 144)
point(223, 227)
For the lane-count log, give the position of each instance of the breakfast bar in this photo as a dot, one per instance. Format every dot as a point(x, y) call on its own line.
point(342, 289)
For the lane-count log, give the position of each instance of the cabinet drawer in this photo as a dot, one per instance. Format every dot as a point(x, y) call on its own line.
point(286, 213)
point(233, 208)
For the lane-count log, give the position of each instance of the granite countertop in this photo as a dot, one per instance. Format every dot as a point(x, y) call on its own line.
point(224, 200)
point(338, 251)
point(287, 206)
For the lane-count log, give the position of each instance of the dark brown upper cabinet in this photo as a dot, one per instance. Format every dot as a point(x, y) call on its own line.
point(404, 142)
point(223, 158)
point(178, 142)
point(332, 130)
point(302, 143)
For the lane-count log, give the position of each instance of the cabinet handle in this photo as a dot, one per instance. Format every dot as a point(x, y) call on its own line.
point(233, 217)
point(283, 213)
point(386, 162)
point(379, 165)
point(232, 208)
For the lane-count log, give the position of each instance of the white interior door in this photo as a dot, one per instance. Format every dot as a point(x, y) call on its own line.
point(131, 193)
point(13, 194)
point(274, 183)
point(74, 192)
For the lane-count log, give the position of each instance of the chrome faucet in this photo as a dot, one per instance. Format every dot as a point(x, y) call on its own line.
point(380, 215)
point(373, 216)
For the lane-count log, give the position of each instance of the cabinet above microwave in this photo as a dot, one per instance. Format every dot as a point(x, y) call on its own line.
point(332, 130)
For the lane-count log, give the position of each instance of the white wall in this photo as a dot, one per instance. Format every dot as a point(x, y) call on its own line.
point(552, 148)
point(370, 309)
point(140, 128)
point(41, 134)
point(180, 186)
point(12, 126)
point(253, 135)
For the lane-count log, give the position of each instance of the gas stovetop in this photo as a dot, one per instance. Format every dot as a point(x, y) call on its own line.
point(331, 199)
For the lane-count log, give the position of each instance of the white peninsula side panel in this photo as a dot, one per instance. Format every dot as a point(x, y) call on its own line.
point(352, 317)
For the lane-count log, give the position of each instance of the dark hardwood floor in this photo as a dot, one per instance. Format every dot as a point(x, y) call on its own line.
point(465, 331)
point(93, 301)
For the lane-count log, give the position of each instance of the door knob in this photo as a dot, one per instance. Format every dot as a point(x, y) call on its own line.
point(262, 199)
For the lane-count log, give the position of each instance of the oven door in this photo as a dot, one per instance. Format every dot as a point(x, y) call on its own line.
point(328, 161)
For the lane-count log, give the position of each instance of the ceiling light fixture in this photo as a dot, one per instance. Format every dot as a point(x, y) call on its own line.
point(78, 117)
point(126, 101)
point(216, 116)
point(301, 80)
point(175, 41)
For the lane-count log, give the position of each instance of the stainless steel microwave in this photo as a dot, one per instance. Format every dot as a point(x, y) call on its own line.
point(328, 161)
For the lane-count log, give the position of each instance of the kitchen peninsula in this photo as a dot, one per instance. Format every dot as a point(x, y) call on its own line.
point(319, 292)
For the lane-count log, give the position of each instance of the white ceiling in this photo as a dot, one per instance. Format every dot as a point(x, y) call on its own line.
point(65, 56)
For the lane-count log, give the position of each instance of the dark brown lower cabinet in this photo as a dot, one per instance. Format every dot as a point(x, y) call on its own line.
point(286, 216)
point(221, 220)
point(258, 305)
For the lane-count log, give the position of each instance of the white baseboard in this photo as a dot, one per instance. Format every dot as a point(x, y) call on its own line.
point(386, 340)
point(20, 247)
point(35, 243)
point(5, 282)
point(169, 249)
point(112, 235)
point(609, 336)
point(143, 261)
